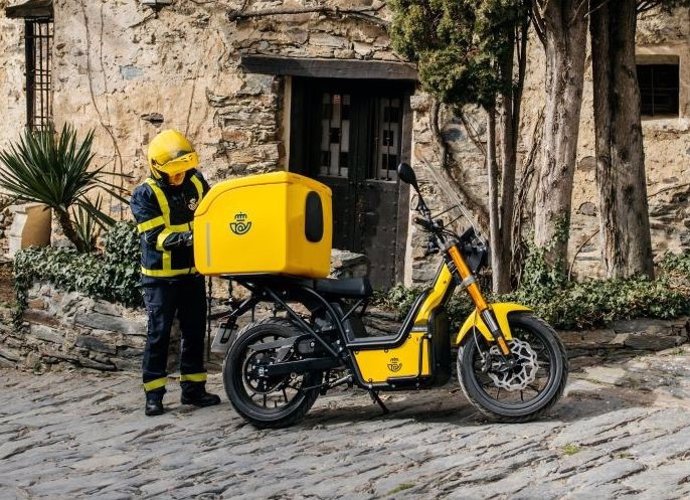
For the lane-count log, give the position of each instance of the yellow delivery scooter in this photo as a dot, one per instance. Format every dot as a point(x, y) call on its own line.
point(510, 364)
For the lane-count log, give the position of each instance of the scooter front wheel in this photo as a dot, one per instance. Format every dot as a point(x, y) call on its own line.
point(523, 391)
point(267, 401)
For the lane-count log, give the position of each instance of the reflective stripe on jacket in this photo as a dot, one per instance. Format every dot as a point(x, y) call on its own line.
point(164, 214)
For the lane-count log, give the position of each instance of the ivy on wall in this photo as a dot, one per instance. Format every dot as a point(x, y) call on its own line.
point(571, 305)
point(113, 275)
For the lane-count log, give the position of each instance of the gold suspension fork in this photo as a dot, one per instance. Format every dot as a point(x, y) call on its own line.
point(485, 311)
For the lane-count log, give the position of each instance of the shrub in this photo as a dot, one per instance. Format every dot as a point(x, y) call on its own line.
point(113, 275)
point(571, 305)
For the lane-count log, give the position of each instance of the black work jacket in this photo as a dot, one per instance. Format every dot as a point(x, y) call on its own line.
point(163, 214)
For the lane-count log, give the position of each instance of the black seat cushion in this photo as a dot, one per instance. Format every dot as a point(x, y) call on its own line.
point(351, 287)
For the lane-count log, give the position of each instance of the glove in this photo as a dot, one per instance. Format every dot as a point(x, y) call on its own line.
point(187, 238)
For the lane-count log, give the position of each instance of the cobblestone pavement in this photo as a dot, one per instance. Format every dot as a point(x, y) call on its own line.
point(622, 429)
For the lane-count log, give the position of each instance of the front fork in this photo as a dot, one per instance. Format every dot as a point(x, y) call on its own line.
point(469, 282)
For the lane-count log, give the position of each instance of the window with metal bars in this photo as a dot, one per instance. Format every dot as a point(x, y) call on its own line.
point(659, 89)
point(38, 36)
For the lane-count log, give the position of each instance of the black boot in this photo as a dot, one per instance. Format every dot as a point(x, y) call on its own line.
point(154, 404)
point(195, 394)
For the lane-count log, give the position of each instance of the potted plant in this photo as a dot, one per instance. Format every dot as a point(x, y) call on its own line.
point(53, 169)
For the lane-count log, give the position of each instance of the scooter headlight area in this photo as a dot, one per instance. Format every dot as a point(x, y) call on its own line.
point(511, 365)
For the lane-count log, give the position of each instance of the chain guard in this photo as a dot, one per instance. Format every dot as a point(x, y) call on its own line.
point(524, 372)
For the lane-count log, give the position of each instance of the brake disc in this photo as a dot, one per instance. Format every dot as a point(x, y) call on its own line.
point(524, 371)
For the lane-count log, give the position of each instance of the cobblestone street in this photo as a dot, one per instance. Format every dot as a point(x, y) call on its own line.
point(622, 429)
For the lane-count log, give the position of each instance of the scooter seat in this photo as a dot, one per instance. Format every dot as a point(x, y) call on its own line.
point(350, 287)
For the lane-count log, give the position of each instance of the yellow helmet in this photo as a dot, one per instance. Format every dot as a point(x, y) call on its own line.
point(170, 153)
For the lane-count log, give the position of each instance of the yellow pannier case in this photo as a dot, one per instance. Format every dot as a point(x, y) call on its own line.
point(277, 223)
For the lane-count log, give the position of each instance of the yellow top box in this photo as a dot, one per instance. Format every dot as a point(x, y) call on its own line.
point(275, 223)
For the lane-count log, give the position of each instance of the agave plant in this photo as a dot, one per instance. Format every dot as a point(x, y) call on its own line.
point(53, 169)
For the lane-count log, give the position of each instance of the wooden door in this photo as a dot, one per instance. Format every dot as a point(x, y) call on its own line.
point(349, 135)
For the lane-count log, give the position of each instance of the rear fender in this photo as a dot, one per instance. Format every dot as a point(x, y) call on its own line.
point(501, 310)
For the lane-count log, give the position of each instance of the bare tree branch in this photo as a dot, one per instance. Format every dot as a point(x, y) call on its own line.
point(454, 190)
point(645, 5)
point(599, 5)
point(578, 250)
point(523, 193)
point(538, 23)
point(471, 130)
point(582, 4)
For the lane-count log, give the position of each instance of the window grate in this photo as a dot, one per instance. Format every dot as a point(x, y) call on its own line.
point(659, 89)
point(38, 36)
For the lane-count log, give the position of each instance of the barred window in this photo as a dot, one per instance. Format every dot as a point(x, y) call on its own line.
point(38, 36)
point(659, 89)
point(38, 49)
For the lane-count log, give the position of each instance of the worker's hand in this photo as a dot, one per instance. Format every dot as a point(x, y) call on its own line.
point(187, 238)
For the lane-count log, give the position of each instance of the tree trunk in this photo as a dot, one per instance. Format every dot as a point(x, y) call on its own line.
point(68, 230)
point(497, 262)
point(564, 44)
point(510, 123)
point(621, 181)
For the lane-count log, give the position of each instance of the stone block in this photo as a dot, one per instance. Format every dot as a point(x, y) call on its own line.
point(99, 357)
point(130, 353)
point(110, 323)
point(9, 354)
point(46, 334)
point(6, 363)
point(655, 326)
point(108, 308)
point(328, 40)
point(96, 365)
point(589, 339)
point(127, 364)
point(650, 341)
point(41, 318)
point(36, 304)
point(346, 264)
point(94, 344)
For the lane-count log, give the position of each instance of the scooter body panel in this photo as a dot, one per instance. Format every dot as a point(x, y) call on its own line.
point(411, 359)
point(501, 310)
point(441, 286)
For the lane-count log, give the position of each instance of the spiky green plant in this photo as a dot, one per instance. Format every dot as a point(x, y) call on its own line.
point(87, 227)
point(53, 169)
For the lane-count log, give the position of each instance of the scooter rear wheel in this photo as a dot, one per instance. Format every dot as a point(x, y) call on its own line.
point(525, 391)
point(267, 402)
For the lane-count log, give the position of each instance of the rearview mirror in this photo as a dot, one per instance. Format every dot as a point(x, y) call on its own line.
point(406, 174)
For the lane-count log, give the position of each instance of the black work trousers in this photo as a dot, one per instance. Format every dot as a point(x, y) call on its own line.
point(186, 298)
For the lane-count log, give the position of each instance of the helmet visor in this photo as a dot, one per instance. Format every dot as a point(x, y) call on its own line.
point(180, 164)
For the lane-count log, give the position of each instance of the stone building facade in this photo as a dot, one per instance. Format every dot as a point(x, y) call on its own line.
point(313, 87)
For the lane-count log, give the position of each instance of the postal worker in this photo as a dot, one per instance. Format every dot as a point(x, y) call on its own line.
point(163, 206)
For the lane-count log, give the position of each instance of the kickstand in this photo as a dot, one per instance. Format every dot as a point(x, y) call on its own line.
point(376, 399)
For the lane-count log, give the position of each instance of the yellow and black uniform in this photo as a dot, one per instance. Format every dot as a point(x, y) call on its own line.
point(163, 207)
point(164, 216)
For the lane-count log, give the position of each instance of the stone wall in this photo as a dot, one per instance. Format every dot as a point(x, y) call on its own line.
point(13, 103)
point(6, 219)
point(69, 328)
point(128, 73)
